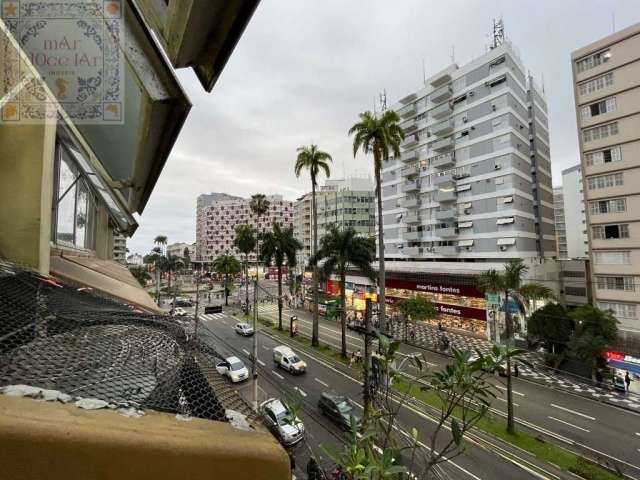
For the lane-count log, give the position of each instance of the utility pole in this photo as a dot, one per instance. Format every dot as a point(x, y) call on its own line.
point(367, 362)
point(157, 284)
point(195, 313)
point(255, 342)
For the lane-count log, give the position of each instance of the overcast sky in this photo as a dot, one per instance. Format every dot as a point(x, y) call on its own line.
point(304, 69)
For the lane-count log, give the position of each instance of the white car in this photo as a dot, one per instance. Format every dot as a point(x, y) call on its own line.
point(179, 312)
point(233, 368)
point(244, 329)
point(287, 359)
point(279, 420)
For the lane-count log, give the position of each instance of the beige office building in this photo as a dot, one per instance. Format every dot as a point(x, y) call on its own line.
point(606, 78)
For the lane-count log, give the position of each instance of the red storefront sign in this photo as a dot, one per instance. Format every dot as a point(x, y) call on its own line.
point(462, 290)
point(455, 310)
point(333, 287)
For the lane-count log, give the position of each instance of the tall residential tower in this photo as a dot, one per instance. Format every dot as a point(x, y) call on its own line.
point(606, 75)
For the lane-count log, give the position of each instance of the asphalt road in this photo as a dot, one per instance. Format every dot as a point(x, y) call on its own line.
point(476, 463)
point(597, 430)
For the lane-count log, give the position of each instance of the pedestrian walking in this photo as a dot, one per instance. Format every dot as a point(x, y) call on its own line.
point(440, 327)
point(352, 359)
point(412, 333)
point(313, 470)
point(358, 356)
point(516, 372)
point(627, 380)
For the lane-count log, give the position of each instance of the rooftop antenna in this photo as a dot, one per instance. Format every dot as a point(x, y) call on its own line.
point(498, 33)
point(424, 73)
point(542, 80)
point(453, 54)
point(375, 113)
point(383, 100)
point(613, 22)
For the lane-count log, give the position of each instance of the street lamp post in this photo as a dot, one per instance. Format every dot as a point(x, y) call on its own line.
point(255, 342)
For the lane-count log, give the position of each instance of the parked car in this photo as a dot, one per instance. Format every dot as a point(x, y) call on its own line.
point(244, 329)
point(279, 420)
point(287, 359)
point(338, 408)
point(179, 312)
point(182, 302)
point(233, 368)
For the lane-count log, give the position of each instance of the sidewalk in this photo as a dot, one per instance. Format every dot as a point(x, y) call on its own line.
point(427, 337)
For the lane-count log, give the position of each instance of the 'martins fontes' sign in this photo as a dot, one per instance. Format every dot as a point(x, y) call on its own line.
point(463, 290)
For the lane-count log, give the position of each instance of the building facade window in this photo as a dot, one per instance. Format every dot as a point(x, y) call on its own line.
point(575, 291)
point(596, 84)
point(608, 155)
point(616, 205)
point(74, 203)
point(612, 258)
point(605, 181)
point(619, 310)
point(592, 61)
point(625, 283)
point(611, 232)
point(601, 131)
point(598, 108)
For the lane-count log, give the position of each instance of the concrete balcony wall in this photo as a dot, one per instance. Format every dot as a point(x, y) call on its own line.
point(410, 203)
point(443, 161)
point(411, 186)
point(441, 111)
point(441, 145)
point(446, 196)
point(448, 214)
point(441, 94)
point(409, 156)
point(412, 236)
point(446, 250)
point(447, 232)
point(442, 128)
point(408, 171)
point(446, 179)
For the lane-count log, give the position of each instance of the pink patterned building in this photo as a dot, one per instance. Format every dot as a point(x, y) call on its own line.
point(218, 215)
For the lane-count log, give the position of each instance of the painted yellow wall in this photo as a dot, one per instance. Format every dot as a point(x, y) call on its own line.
point(26, 183)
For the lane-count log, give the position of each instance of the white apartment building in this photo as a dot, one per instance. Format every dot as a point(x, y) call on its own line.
point(135, 259)
point(218, 215)
point(474, 178)
point(575, 220)
point(559, 220)
point(120, 248)
point(348, 203)
point(177, 249)
point(606, 77)
point(472, 186)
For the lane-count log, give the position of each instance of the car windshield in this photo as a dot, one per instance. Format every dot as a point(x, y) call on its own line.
point(284, 418)
point(294, 359)
point(344, 406)
point(235, 366)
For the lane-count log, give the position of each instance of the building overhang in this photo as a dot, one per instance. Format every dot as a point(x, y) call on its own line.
point(200, 34)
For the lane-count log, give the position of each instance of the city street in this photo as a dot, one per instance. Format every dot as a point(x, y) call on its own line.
point(321, 376)
point(592, 428)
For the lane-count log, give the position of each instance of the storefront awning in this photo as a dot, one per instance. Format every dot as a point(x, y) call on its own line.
point(630, 367)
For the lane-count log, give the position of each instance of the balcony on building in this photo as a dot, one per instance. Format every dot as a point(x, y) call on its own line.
point(412, 251)
point(410, 202)
point(409, 156)
point(412, 236)
point(443, 128)
point(408, 111)
point(409, 141)
point(442, 145)
point(441, 111)
point(445, 160)
point(412, 186)
point(410, 125)
point(443, 180)
point(409, 98)
point(446, 214)
point(410, 170)
point(411, 217)
point(441, 79)
point(441, 94)
point(446, 250)
point(446, 195)
point(446, 232)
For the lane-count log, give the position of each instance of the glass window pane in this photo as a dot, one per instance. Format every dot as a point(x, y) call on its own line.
point(81, 215)
point(66, 205)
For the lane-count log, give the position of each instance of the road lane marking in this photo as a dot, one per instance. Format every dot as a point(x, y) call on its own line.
point(300, 391)
point(277, 375)
point(321, 382)
point(246, 352)
point(265, 347)
point(638, 434)
point(503, 400)
point(572, 411)
point(261, 362)
point(570, 424)
point(504, 390)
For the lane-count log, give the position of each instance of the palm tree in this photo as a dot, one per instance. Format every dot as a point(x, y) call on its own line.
point(313, 159)
point(226, 265)
point(510, 282)
point(342, 250)
point(380, 136)
point(160, 240)
point(171, 264)
point(279, 246)
point(245, 242)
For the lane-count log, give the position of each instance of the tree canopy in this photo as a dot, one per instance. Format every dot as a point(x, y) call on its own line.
point(552, 325)
point(417, 308)
point(595, 331)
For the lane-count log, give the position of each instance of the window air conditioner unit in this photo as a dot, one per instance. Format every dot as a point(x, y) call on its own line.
point(498, 167)
point(464, 120)
point(470, 94)
point(493, 107)
point(503, 247)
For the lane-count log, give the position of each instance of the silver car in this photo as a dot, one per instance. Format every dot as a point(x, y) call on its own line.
point(279, 420)
point(244, 329)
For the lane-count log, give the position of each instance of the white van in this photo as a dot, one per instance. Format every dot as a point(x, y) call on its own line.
point(286, 358)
